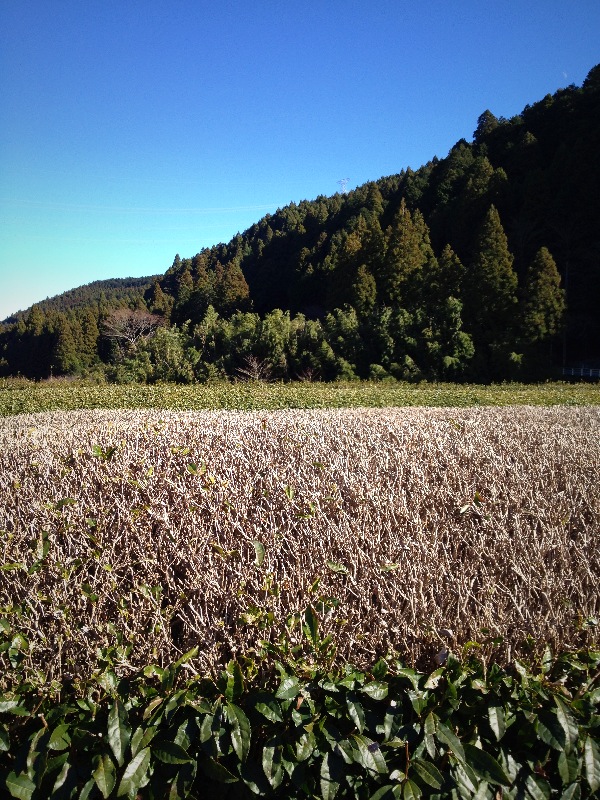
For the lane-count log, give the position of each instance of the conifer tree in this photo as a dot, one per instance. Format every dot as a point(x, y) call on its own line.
point(486, 123)
point(449, 277)
point(231, 290)
point(404, 259)
point(491, 286)
point(64, 355)
point(89, 336)
point(543, 299)
point(185, 285)
point(158, 301)
point(364, 291)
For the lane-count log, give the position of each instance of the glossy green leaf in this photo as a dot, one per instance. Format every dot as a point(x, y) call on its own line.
point(567, 722)
point(36, 752)
point(269, 708)
point(181, 786)
point(433, 680)
point(485, 766)
point(56, 763)
point(206, 726)
point(429, 726)
point(551, 731)
point(20, 786)
point(271, 762)
point(4, 738)
point(465, 778)
point(568, 767)
point(389, 792)
point(9, 706)
point(217, 771)
point(546, 660)
point(497, 721)
point(235, 681)
point(448, 738)
point(119, 732)
point(345, 750)
point(240, 730)
point(134, 774)
point(410, 790)
point(305, 746)
point(376, 689)
point(60, 738)
point(356, 712)
point(186, 657)
point(394, 743)
point(427, 772)
point(591, 759)
point(410, 675)
point(88, 790)
point(66, 782)
point(332, 774)
point(572, 792)
point(311, 629)
point(370, 755)
point(537, 787)
point(288, 689)
point(170, 752)
point(418, 700)
point(105, 776)
point(136, 739)
point(152, 706)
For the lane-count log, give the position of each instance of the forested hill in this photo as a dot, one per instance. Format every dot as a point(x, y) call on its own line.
point(99, 295)
point(459, 269)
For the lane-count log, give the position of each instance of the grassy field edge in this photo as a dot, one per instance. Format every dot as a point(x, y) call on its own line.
point(26, 397)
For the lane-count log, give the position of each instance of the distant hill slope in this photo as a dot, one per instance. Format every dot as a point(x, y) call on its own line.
point(461, 269)
point(109, 293)
point(540, 169)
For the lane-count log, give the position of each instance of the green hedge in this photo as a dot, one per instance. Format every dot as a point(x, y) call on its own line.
point(466, 730)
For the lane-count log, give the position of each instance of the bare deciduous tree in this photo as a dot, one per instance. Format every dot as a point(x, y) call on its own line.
point(254, 369)
point(128, 326)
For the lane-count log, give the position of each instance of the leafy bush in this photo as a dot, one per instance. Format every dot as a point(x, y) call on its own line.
point(19, 396)
point(297, 730)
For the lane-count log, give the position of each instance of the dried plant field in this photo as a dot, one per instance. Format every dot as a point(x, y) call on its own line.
point(153, 523)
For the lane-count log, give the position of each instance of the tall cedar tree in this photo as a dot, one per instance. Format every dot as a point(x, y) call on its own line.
point(403, 261)
point(231, 290)
point(64, 353)
point(448, 280)
point(491, 287)
point(543, 300)
point(89, 335)
point(364, 290)
point(158, 301)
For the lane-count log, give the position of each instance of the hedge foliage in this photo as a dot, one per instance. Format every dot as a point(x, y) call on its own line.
point(19, 396)
point(271, 726)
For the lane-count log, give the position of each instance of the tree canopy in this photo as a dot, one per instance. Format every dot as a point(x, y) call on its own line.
point(472, 266)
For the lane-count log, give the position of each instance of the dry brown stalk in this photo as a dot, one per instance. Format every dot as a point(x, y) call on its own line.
point(483, 521)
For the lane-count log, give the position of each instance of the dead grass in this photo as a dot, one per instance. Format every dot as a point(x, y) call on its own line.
point(484, 521)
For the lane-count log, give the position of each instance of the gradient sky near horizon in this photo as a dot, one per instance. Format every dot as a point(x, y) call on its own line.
point(131, 131)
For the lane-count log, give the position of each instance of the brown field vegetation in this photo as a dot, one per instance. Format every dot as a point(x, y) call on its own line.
point(483, 521)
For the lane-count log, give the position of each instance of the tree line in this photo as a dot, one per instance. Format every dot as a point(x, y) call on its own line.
point(480, 266)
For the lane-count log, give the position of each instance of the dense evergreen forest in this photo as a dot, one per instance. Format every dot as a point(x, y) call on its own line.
point(484, 265)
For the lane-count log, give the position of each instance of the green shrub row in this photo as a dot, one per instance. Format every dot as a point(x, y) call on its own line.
point(18, 396)
point(467, 730)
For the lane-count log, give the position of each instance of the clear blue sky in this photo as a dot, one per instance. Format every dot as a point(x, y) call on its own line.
point(130, 131)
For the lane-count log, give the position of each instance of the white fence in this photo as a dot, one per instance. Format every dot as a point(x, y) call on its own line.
point(581, 372)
